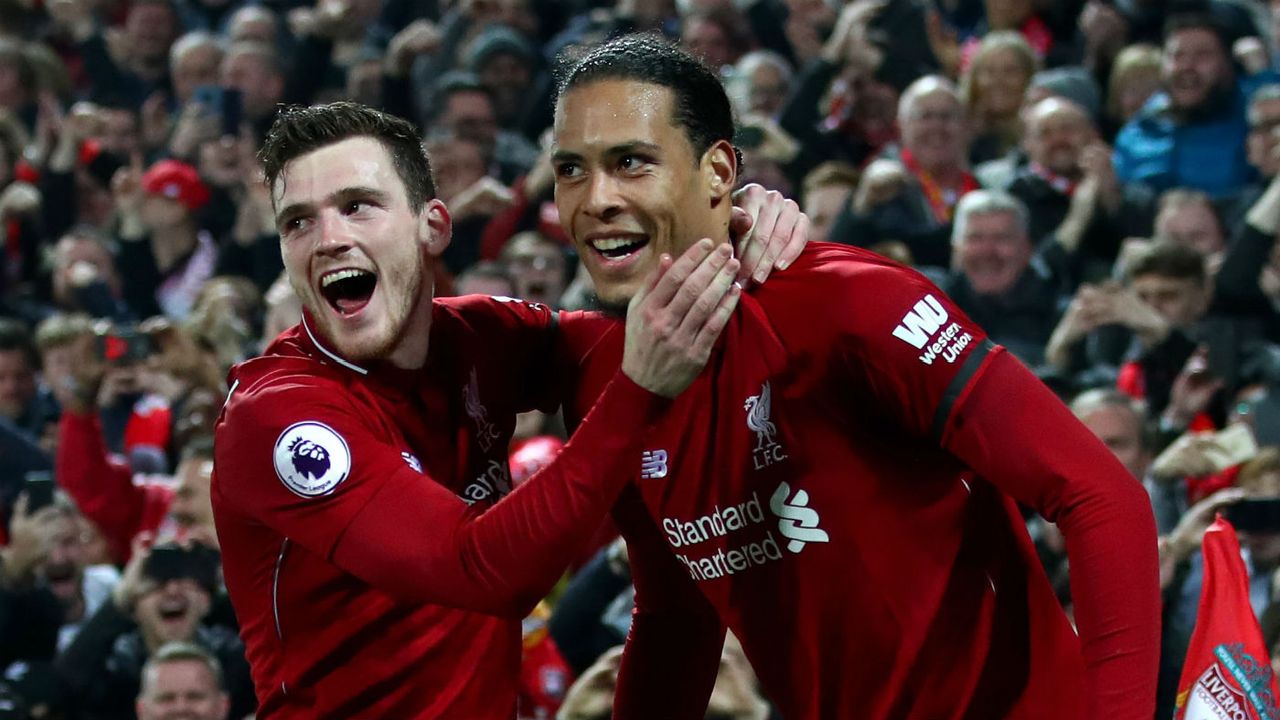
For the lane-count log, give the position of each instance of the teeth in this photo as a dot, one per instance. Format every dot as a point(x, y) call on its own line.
point(613, 243)
point(334, 277)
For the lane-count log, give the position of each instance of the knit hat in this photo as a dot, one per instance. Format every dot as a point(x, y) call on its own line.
point(499, 40)
point(176, 181)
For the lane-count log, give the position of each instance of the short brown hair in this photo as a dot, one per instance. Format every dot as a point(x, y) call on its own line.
point(1171, 259)
point(300, 130)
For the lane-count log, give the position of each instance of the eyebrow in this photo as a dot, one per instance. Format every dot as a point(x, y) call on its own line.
point(625, 148)
point(337, 197)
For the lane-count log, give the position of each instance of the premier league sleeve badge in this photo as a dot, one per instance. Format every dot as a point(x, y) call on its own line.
point(311, 459)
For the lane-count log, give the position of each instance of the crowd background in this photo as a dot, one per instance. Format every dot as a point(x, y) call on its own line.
point(1093, 181)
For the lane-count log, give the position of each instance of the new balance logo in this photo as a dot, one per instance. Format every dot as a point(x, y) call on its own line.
point(653, 464)
point(796, 520)
point(921, 322)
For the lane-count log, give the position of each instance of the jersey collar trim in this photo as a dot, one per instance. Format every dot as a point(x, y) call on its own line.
point(332, 355)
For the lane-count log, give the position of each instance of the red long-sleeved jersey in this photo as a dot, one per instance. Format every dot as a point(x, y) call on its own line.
point(371, 569)
point(837, 489)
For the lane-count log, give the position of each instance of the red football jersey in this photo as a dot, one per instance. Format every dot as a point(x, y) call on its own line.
point(836, 489)
point(371, 569)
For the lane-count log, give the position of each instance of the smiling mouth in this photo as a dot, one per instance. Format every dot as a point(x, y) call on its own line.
point(617, 248)
point(348, 290)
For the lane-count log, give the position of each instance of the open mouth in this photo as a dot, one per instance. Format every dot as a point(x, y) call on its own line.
point(348, 290)
point(619, 247)
point(173, 610)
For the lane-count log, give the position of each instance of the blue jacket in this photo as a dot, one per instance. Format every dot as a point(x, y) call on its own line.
point(1206, 154)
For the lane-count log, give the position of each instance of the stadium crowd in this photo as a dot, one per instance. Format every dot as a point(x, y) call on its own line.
point(1094, 182)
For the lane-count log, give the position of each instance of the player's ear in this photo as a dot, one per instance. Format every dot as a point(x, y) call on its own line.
point(435, 227)
point(720, 166)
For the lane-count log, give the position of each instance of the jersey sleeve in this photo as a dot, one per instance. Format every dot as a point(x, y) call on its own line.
point(300, 457)
point(909, 349)
point(1017, 435)
point(673, 650)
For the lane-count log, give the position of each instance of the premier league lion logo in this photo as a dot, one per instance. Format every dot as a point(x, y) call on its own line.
point(309, 459)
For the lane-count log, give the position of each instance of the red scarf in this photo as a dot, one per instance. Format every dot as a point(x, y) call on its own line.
point(1063, 184)
point(941, 200)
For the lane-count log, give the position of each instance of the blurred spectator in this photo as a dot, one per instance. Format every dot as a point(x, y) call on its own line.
point(254, 23)
point(1182, 571)
point(762, 83)
point(17, 81)
point(164, 596)
point(734, 696)
point(718, 36)
point(995, 280)
point(1079, 211)
point(506, 65)
point(22, 401)
point(910, 195)
point(85, 278)
point(168, 255)
point(487, 277)
point(182, 680)
point(1134, 78)
point(992, 88)
point(1168, 299)
point(225, 318)
point(30, 614)
point(255, 69)
point(194, 61)
point(462, 106)
point(80, 588)
point(1189, 217)
point(826, 190)
point(1192, 133)
point(536, 266)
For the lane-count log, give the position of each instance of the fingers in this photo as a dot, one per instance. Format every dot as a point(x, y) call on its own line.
point(20, 507)
point(673, 279)
point(795, 244)
point(711, 329)
point(761, 233)
point(707, 302)
point(788, 216)
point(706, 274)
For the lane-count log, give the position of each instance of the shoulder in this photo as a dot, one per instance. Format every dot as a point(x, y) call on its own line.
point(840, 280)
point(854, 296)
point(490, 318)
point(270, 392)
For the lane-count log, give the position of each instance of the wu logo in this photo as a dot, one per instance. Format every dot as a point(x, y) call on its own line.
point(653, 464)
point(921, 322)
point(796, 520)
point(486, 432)
point(768, 451)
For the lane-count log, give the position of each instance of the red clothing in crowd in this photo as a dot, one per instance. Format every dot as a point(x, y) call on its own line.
point(104, 488)
point(371, 569)
point(837, 488)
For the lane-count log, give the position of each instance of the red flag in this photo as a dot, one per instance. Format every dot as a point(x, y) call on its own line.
point(1228, 669)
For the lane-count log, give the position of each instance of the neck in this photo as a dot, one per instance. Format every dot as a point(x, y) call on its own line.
point(411, 353)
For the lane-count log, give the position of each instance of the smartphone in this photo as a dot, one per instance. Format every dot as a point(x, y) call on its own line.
point(169, 561)
point(210, 96)
point(1257, 516)
point(39, 487)
point(123, 345)
point(232, 112)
